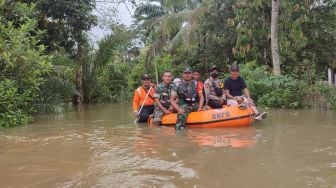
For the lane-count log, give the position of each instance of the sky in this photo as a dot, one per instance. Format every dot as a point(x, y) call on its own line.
point(123, 15)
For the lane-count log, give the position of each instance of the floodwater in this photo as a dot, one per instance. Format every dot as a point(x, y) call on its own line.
point(101, 147)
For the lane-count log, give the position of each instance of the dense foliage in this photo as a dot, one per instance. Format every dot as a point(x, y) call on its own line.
point(22, 65)
point(38, 67)
point(105, 77)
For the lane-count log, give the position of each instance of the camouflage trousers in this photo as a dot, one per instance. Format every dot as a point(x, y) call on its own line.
point(182, 118)
point(157, 114)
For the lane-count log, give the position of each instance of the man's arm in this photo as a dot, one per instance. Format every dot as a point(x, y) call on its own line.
point(173, 100)
point(171, 108)
point(200, 96)
point(223, 96)
point(236, 98)
point(228, 95)
point(246, 93)
point(227, 90)
point(201, 101)
point(136, 99)
point(158, 103)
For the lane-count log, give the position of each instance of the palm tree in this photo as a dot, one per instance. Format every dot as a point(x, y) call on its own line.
point(166, 23)
point(274, 38)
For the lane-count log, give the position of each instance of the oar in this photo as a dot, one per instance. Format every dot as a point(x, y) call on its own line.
point(143, 103)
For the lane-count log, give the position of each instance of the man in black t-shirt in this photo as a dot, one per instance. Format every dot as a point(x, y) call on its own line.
point(237, 93)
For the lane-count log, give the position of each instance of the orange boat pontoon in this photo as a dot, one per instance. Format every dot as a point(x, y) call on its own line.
point(228, 116)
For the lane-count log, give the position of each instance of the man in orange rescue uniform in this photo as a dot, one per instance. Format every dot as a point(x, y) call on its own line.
point(143, 100)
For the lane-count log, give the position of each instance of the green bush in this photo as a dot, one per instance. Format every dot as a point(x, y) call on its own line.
point(327, 91)
point(22, 66)
point(107, 84)
point(14, 106)
point(283, 91)
point(56, 92)
point(14, 118)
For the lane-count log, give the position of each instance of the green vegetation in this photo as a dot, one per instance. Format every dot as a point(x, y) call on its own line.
point(22, 65)
point(39, 58)
point(48, 65)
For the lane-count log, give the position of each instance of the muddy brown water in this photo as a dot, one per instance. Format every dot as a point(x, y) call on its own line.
point(101, 147)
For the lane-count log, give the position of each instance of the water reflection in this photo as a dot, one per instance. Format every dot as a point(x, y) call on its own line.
point(228, 137)
point(115, 162)
point(149, 140)
point(181, 155)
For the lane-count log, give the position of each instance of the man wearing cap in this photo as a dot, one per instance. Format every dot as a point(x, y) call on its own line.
point(237, 93)
point(186, 93)
point(214, 89)
point(143, 99)
point(162, 97)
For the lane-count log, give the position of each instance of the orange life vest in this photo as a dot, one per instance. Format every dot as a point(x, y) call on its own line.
point(139, 97)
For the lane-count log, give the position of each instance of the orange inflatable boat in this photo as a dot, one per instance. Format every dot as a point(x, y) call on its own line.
point(228, 116)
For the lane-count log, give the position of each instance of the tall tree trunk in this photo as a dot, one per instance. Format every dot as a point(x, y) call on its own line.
point(79, 75)
point(155, 66)
point(205, 52)
point(274, 38)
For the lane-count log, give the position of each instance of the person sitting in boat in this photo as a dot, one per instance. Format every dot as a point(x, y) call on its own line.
point(162, 97)
point(197, 77)
point(214, 89)
point(143, 99)
point(186, 93)
point(237, 93)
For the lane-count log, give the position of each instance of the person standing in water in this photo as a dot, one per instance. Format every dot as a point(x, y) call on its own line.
point(143, 99)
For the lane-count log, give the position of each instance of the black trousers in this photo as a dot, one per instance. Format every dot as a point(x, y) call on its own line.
point(145, 113)
point(215, 104)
